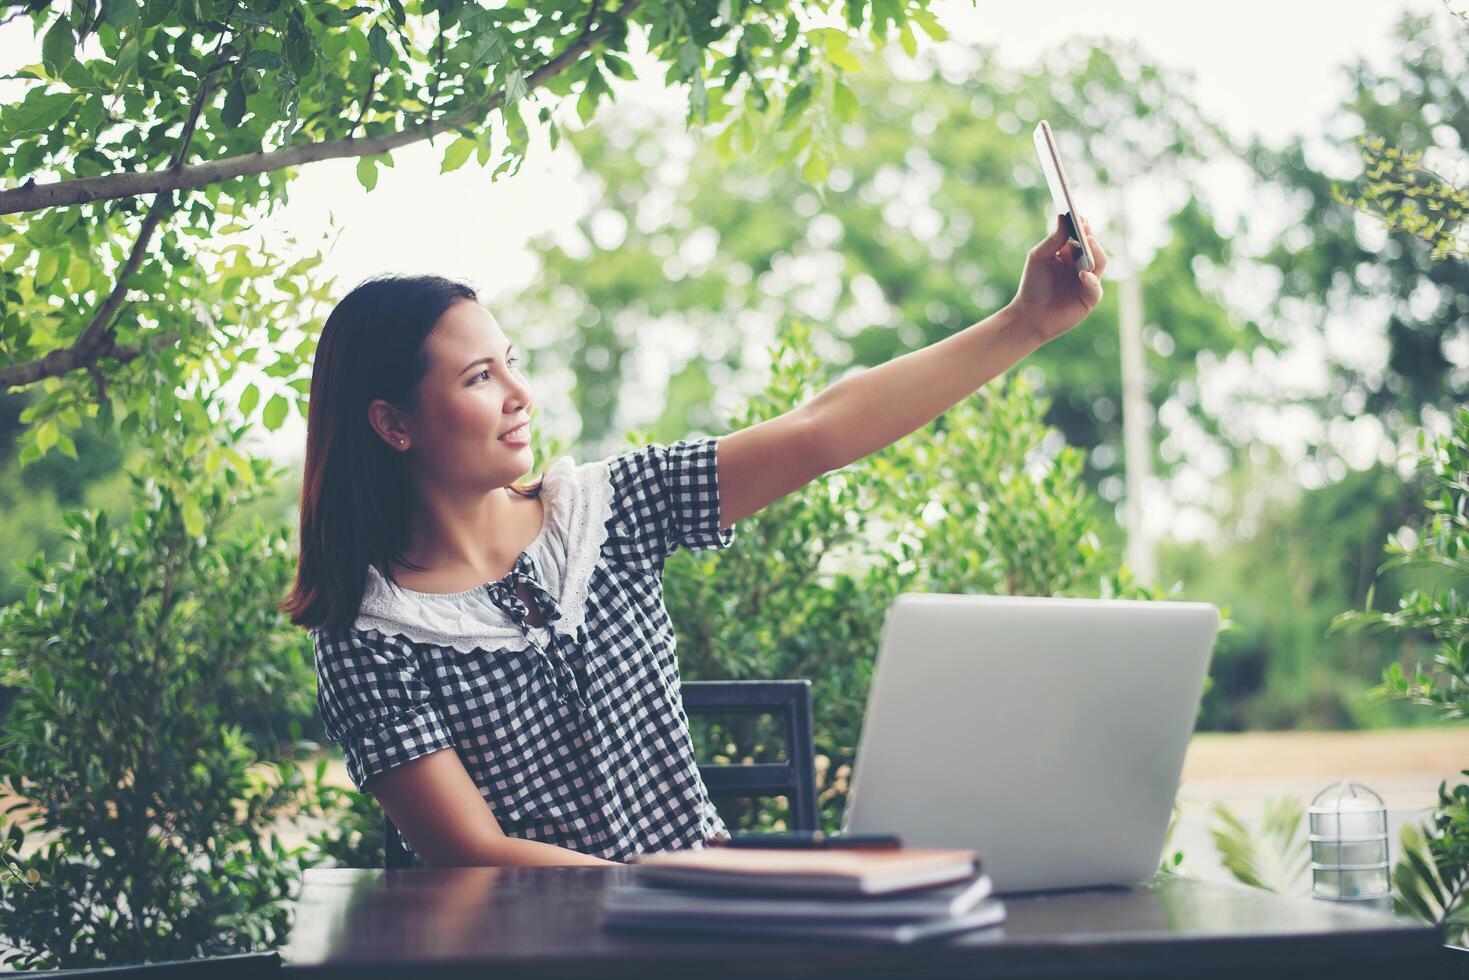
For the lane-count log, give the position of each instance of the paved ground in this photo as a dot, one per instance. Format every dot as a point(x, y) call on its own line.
point(1242, 771)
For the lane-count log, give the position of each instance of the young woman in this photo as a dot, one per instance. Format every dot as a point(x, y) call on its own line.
point(494, 658)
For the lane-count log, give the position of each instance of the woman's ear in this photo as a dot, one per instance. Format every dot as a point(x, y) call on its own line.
point(387, 421)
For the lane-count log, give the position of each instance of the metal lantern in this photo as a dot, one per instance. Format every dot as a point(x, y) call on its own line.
point(1349, 860)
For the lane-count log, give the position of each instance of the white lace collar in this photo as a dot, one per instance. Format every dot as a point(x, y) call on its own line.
point(578, 501)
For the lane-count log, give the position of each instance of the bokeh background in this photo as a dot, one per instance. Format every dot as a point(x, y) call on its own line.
point(1292, 348)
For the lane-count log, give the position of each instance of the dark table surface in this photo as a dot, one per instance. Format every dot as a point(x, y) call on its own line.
point(544, 922)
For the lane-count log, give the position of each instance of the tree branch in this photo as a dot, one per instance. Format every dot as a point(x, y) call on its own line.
point(101, 326)
point(366, 101)
point(98, 337)
point(69, 359)
point(31, 196)
point(98, 340)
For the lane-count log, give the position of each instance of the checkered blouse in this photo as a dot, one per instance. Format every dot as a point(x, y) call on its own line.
point(575, 732)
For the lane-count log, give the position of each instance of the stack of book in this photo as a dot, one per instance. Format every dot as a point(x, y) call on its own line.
point(893, 895)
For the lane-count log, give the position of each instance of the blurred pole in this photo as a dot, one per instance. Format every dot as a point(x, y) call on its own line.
point(1137, 448)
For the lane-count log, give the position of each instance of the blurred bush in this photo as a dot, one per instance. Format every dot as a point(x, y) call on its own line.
point(986, 499)
point(136, 657)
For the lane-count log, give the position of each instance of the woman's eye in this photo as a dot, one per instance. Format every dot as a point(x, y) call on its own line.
point(486, 372)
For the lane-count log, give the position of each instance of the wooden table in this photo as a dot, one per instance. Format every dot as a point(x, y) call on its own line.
point(422, 923)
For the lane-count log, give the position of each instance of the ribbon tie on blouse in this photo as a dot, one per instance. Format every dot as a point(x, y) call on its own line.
point(551, 662)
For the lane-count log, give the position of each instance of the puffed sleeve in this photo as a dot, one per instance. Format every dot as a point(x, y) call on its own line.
point(374, 703)
point(665, 497)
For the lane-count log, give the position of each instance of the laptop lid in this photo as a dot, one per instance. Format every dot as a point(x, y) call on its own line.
point(1048, 734)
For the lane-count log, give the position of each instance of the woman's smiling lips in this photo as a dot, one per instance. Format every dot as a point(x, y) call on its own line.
point(518, 436)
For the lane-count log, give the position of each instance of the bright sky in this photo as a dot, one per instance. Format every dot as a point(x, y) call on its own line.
point(1265, 68)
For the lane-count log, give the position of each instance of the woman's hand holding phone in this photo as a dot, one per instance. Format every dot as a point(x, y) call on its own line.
point(1062, 279)
point(1053, 296)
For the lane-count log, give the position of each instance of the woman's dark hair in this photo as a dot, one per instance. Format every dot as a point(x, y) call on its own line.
point(355, 491)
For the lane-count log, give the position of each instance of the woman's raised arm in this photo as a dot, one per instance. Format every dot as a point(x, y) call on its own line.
point(869, 411)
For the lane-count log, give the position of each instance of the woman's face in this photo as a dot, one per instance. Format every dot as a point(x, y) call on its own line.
point(472, 394)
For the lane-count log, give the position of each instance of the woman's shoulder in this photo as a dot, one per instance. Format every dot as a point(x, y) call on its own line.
point(665, 496)
point(577, 498)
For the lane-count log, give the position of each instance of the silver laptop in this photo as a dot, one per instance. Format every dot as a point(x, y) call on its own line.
point(1047, 734)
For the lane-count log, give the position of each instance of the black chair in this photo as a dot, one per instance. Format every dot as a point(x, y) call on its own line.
point(795, 779)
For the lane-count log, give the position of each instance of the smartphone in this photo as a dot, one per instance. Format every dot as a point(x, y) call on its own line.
point(1045, 148)
point(813, 839)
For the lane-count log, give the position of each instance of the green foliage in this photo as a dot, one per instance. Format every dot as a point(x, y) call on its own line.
point(1276, 856)
point(1394, 182)
point(1429, 879)
point(984, 500)
point(1169, 863)
point(1436, 889)
point(1287, 562)
point(142, 288)
point(1440, 545)
point(354, 836)
point(137, 656)
point(685, 232)
point(33, 498)
point(1331, 263)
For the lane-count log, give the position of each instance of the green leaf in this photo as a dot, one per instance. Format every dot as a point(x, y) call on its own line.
point(586, 103)
point(489, 47)
point(834, 43)
point(690, 57)
point(618, 66)
point(263, 60)
point(127, 60)
point(120, 14)
point(797, 100)
point(275, 412)
point(1273, 857)
point(515, 89)
point(909, 42)
point(58, 47)
point(234, 105)
point(457, 152)
point(46, 266)
point(240, 464)
point(46, 435)
point(930, 24)
point(367, 172)
point(844, 100)
point(249, 398)
point(815, 169)
point(377, 44)
point(193, 516)
point(39, 112)
point(885, 12)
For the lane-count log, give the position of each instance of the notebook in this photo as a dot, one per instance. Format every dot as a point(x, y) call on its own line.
point(818, 872)
point(991, 911)
point(945, 901)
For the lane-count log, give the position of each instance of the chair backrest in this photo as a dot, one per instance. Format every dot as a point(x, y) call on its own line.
point(795, 779)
